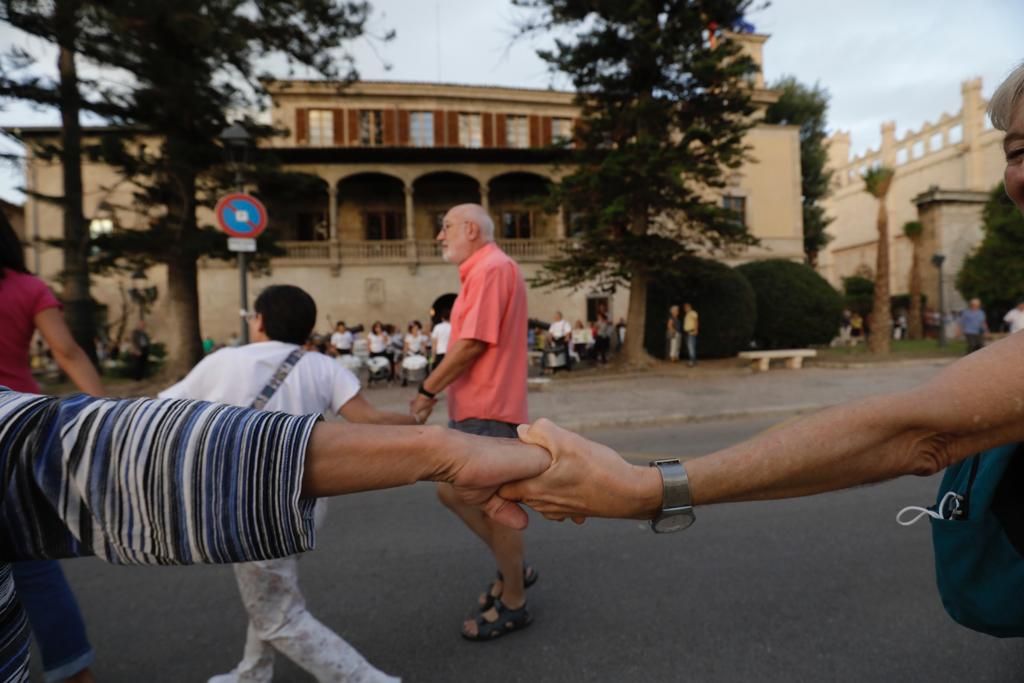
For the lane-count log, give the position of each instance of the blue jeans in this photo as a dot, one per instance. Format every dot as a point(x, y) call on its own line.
point(54, 616)
point(691, 347)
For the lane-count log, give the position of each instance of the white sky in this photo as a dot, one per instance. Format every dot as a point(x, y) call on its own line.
point(880, 60)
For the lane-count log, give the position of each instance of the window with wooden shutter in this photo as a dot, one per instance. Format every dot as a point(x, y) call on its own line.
point(438, 124)
point(534, 131)
point(339, 126)
point(561, 130)
point(452, 135)
point(488, 130)
point(545, 131)
point(423, 132)
point(321, 127)
point(470, 130)
point(500, 130)
point(301, 126)
point(390, 128)
point(517, 135)
point(403, 128)
point(353, 127)
point(371, 127)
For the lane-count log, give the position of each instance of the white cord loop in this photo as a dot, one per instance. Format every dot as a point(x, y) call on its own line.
point(938, 513)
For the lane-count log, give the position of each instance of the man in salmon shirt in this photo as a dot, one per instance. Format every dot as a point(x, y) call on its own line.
point(484, 372)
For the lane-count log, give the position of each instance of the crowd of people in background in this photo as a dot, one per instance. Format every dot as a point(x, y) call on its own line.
point(970, 324)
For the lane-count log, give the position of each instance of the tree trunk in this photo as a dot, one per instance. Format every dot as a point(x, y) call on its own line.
point(633, 352)
point(914, 323)
point(881, 316)
point(78, 308)
point(184, 345)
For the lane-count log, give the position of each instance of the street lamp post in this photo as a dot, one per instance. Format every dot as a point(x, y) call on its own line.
point(937, 261)
point(236, 140)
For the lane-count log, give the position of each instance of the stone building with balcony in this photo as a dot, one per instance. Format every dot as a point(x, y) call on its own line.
point(383, 161)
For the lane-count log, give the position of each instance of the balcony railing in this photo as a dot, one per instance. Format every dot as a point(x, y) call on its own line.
point(406, 251)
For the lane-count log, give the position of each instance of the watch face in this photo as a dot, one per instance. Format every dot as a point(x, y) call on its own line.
point(667, 522)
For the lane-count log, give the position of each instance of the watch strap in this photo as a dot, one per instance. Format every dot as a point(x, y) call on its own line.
point(426, 393)
point(676, 485)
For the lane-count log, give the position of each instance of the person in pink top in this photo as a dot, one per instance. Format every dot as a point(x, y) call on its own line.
point(484, 372)
point(27, 305)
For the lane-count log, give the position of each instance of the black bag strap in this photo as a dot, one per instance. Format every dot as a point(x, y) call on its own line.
point(279, 376)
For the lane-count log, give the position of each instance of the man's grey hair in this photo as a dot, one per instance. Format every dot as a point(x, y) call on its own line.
point(476, 214)
point(1006, 99)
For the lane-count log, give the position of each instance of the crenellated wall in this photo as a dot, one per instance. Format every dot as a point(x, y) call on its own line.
point(959, 152)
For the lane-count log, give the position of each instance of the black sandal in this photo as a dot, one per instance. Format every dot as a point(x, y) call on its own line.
point(530, 577)
point(508, 620)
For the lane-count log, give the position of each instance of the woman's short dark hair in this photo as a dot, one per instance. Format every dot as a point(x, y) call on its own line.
point(289, 313)
point(12, 253)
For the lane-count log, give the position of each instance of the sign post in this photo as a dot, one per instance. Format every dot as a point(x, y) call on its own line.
point(243, 218)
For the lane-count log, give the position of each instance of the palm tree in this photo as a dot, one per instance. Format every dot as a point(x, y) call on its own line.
point(913, 230)
point(877, 182)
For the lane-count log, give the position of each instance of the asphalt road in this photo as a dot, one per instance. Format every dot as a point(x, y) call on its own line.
point(821, 589)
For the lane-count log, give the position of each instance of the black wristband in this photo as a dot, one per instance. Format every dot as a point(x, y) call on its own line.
point(426, 393)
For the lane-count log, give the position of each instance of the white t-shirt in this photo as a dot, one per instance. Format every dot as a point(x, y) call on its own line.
point(441, 334)
point(378, 342)
point(1016, 319)
point(236, 375)
point(560, 329)
point(342, 340)
point(417, 342)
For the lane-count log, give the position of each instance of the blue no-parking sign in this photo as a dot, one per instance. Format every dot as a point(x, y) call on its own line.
point(241, 215)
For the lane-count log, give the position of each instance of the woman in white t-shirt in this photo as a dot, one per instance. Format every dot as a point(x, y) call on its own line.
point(415, 341)
point(379, 341)
point(582, 339)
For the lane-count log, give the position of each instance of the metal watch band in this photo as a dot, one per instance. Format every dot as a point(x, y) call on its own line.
point(676, 492)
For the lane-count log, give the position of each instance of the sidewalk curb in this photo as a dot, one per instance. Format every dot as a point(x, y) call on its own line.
point(688, 418)
point(908, 363)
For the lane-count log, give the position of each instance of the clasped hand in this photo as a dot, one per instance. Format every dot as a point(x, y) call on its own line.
point(582, 479)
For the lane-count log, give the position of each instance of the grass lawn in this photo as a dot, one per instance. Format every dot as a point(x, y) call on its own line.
point(900, 349)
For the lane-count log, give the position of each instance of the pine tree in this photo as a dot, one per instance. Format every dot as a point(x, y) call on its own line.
point(193, 62)
point(665, 104)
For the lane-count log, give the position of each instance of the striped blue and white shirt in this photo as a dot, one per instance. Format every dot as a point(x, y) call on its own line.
point(143, 481)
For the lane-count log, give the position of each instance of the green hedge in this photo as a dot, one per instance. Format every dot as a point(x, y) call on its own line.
point(796, 307)
point(722, 298)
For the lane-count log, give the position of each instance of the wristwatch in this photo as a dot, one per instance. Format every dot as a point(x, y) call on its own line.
point(423, 392)
point(676, 508)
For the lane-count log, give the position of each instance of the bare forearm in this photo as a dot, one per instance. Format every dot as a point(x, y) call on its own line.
point(457, 360)
point(839, 447)
point(81, 370)
point(869, 441)
point(346, 458)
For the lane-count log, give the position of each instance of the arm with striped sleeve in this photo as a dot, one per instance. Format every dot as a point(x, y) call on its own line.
point(149, 481)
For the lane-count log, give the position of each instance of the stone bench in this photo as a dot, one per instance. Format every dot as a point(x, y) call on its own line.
point(794, 357)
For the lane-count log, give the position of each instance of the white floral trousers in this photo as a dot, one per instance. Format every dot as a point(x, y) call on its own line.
point(279, 620)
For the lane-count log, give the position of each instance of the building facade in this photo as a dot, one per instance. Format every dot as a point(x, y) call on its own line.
point(943, 175)
point(384, 161)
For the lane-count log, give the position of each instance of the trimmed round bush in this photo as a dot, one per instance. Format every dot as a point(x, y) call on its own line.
point(722, 298)
point(796, 307)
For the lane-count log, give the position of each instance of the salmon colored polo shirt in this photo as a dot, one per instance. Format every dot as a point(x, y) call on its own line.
point(491, 307)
